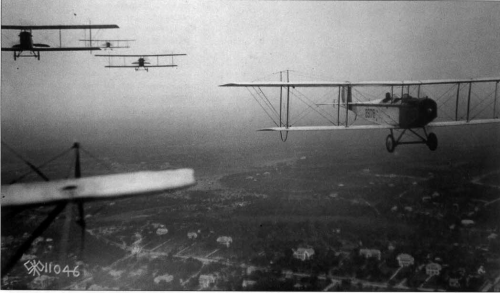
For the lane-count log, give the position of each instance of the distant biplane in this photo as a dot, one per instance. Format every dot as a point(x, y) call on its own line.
point(109, 44)
point(410, 111)
point(79, 190)
point(26, 43)
point(142, 62)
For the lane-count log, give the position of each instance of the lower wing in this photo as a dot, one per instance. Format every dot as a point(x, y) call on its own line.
point(384, 126)
point(132, 66)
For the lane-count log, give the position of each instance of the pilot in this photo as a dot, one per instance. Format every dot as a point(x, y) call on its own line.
point(387, 98)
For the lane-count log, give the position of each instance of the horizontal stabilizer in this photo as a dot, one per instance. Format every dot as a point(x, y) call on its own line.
point(380, 105)
point(97, 187)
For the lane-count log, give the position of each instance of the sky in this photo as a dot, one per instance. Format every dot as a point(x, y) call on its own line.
point(68, 96)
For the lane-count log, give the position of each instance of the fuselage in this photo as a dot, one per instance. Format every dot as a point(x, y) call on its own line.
point(408, 112)
point(25, 41)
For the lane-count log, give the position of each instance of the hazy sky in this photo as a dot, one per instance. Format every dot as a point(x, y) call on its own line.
point(70, 95)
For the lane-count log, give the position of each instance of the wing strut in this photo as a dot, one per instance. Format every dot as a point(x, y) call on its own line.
point(468, 100)
point(32, 167)
point(495, 100)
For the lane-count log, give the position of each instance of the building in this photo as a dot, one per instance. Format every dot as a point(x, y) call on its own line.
point(166, 278)
point(248, 283)
point(136, 249)
point(467, 222)
point(206, 280)
point(250, 270)
point(433, 269)
point(370, 253)
point(405, 260)
point(41, 282)
point(225, 240)
point(161, 231)
point(303, 253)
point(454, 283)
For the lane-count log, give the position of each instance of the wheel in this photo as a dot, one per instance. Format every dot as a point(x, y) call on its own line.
point(390, 144)
point(432, 141)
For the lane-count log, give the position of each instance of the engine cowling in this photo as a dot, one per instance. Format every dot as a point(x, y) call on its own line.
point(417, 112)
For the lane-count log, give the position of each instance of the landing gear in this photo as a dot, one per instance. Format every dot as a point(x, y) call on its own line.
point(429, 139)
point(432, 141)
point(390, 144)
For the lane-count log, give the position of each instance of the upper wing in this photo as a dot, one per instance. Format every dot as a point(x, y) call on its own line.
point(157, 55)
point(285, 84)
point(48, 49)
point(364, 83)
point(58, 27)
point(97, 187)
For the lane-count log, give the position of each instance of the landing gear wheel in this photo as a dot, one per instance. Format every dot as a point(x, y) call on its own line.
point(432, 141)
point(390, 144)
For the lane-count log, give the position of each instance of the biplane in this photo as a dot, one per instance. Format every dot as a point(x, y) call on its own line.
point(109, 44)
point(26, 43)
point(79, 190)
point(400, 106)
point(142, 62)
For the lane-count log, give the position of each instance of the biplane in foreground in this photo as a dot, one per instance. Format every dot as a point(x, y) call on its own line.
point(60, 193)
point(395, 105)
point(142, 61)
point(26, 43)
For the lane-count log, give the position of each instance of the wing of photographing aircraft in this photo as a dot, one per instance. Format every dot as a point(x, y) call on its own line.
point(404, 106)
point(79, 190)
point(97, 187)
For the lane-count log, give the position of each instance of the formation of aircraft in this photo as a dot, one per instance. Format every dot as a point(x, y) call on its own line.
point(79, 190)
point(410, 111)
point(26, 43)
point(142, 62)
point(32, 49)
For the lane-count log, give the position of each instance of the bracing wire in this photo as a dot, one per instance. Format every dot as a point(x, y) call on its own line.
point(100, 161)
point(34, 169)
point(263, 108)
point(484, 107)
point(307, 110)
